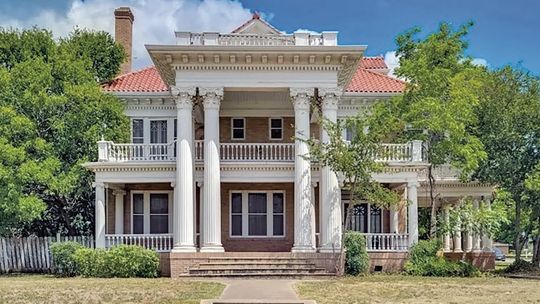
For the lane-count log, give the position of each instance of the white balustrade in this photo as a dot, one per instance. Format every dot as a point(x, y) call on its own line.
point(137, 152)
point(157, 242)
point(241, 152)
point(386, 241)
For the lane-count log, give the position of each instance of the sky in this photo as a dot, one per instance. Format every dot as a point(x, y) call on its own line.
point(505, 32)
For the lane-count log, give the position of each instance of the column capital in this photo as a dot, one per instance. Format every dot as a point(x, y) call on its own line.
point(119, 192)
point(211, 97)
point(200, 184)
point(412, 183)
point(300, 97)
point(183, 96)
point(98, 185)
point(173, 184)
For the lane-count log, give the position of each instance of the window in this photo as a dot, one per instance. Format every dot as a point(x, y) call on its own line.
point(137, 131)
point(276, 128)
point(159, 213)
point(151, 212)
point(238, 128)
point(257, 214)
point(365, 218)
point(158, 131)
point(138, 213)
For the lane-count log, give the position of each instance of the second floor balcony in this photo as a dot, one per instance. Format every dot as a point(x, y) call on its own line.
point(410, 152)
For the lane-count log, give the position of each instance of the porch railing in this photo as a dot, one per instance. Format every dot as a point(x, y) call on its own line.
point(387, 242)
point(242, 152)
point(157, 242)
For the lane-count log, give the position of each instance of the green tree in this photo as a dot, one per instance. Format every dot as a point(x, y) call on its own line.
point(508, 127)
point(354, 161)
point(439, 102)
point(52, 112)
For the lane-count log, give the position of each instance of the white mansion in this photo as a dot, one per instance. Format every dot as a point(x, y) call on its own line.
point(213, 174)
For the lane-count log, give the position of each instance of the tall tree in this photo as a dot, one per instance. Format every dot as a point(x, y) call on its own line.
point(439, 102)
point(508, 126)
point(52, 112)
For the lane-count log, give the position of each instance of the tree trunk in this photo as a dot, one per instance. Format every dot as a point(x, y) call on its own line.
point(536, 249)
point(517, 233)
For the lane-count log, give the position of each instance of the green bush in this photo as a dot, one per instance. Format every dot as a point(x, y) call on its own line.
point(122, 261)
point(132, 261)
point(424, 260)
point(62, 255)
point(357, 258)
point(92, 262)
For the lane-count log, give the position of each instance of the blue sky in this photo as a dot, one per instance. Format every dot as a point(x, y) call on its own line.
point(505, 32)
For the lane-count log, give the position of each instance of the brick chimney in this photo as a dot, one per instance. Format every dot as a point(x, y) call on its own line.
point(123, 32)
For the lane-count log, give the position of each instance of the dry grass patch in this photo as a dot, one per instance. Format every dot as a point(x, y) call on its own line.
point(48, 289)
point(408, 289)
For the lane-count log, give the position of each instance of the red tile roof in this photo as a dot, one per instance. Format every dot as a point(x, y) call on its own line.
point(376, 63)
point(145, 80)
point(365, 80)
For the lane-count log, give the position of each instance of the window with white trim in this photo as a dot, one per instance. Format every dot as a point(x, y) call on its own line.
point(257, 214)
point(365, 218)
point(276, 128)
point(238, 128)
point(151, 211)
point(137, 131)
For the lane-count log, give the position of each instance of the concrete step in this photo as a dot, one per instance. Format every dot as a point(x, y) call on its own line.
point(261, 275)
point(257, 259)
point(255, 265)
point(228, 270)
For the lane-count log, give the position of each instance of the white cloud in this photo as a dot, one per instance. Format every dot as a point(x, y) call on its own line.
point(301, 30)
point(392, 61)
point(479, 62)
point(155, 21)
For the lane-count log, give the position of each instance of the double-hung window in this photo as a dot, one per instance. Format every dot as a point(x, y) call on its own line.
point(151, 212)
point(238, 128)
point(276, 128)
point(137, 131)
point(257, 214)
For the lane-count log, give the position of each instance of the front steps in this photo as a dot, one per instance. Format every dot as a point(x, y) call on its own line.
point(257, 266)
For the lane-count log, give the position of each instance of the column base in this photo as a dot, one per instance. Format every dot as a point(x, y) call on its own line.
point(330, 250)
point(212, 248)
point(303, 249)
point(458, 251)
point(184, 249)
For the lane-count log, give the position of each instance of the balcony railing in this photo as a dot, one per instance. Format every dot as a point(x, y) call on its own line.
point(199, 39)
point(242, 152)
point(247, 152)
point(387, 242)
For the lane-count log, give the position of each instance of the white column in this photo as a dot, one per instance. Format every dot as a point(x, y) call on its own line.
point(183, 232)
point(330, 200)
point(303, 204)
point(457, 235)
point(211, 207)
point(446, 237)
point(119, 211)
point(412, 212)
point(100, 215)
point(476, 236)
point(394, 220)
point(487, 242)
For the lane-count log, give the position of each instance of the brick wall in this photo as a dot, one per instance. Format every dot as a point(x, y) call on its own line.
point(257, 244)
point(123, 32)
point(257, 130)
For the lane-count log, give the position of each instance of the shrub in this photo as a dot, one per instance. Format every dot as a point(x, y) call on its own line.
point(62, 255)
point(92, 262)
point(122, 261)
point(520, 266)
point(425, 260)
point(357, 258)
point(132, 261)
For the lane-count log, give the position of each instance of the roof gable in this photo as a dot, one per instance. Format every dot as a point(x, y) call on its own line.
point(256, 25)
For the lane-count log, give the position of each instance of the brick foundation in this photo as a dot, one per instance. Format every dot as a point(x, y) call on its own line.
point(387, 261)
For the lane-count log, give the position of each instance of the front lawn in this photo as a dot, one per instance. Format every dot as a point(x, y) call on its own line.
point(48, 289)
point(408, 289)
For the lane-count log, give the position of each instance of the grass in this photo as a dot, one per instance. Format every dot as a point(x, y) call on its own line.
point(408, 289)
point(48, 289)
